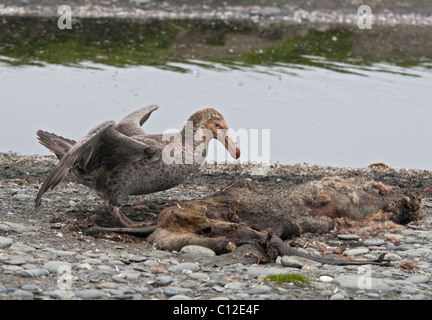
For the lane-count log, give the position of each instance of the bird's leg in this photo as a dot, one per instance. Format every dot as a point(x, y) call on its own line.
point(126, 222)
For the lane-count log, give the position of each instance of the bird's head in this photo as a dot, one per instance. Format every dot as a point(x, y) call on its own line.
point(213, 123)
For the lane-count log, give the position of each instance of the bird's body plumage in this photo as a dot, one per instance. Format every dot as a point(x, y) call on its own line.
point(121, 159)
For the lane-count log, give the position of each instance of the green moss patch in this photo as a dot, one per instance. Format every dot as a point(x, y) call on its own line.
point(286, 277)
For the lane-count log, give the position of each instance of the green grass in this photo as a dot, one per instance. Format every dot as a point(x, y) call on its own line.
point(286, 277)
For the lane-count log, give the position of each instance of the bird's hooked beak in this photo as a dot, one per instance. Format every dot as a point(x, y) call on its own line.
point(229, 142)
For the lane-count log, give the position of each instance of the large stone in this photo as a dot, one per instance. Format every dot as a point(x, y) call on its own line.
point(57, 266)
point(364, 282)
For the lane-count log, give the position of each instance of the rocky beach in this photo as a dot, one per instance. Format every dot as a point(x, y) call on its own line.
point(47, 254)
point(50, 253)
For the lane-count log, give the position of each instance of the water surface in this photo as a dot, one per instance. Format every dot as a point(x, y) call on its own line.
point(325, 98)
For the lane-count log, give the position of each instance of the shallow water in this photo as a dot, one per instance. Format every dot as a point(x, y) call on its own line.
point(325, 110)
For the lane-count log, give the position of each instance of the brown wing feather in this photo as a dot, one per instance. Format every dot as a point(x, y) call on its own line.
point(54, 143)
point(131, 124)
point(102, 146)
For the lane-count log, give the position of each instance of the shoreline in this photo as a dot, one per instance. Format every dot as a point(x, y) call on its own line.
point(262, 12)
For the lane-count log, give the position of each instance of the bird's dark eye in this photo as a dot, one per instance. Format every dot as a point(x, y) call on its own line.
point(217, 125)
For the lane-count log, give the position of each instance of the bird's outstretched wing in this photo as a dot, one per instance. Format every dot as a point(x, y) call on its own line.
point(103, 146)
point(131, 124)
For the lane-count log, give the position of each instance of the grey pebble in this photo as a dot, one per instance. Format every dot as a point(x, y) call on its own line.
point(151, 263)
point(373, 242)
point(16, 261)
point(364, 282)
point(10, 269)
point(259, 290)
point(90, 294)
point(200, 276)
point(198, 250)
point(356, 251)
point(30, 273)
point(418, 279)
point(92, 261)
point(298, 262)
point(22, 197)
point(22, 293)
point(31, 287)
point(57, 266)
point(61, 294)
point(337, 296)
point(18, 246)
point(287, 261)
point(162, 280)
point(178, 268)
point(5, 242)
point(180, 297)
point(218, 289)
point(235, 286)
point(258, 271)
point(172, 291)
point(126, 275)
point(348, 236)
point(269, 11)
point(123, 297)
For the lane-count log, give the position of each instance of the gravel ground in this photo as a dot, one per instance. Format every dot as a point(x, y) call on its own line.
point(47, 255)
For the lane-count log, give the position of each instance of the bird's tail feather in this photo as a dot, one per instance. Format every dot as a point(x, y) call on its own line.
point(56, 144)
